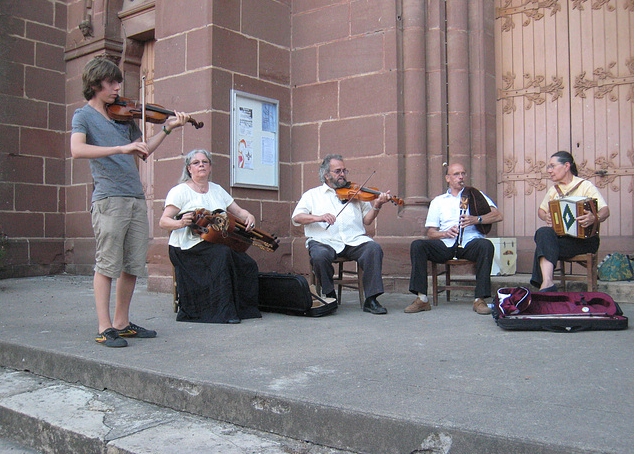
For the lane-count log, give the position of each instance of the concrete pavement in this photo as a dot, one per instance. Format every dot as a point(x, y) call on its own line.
point(444, 381)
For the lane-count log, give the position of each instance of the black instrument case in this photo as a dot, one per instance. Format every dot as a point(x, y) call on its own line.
point(290, 294)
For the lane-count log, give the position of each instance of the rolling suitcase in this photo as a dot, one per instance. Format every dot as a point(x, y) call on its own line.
point(518, 309)
point(290, 294)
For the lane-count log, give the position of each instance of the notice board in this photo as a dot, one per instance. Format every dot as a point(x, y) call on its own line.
point(254, 141)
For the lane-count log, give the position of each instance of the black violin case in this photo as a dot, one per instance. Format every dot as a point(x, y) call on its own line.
point(559, 312)
point(290, 294)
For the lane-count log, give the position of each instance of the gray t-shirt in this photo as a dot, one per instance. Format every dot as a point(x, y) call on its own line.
point(115, 175)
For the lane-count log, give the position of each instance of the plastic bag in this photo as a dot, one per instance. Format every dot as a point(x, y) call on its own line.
point(616, 267)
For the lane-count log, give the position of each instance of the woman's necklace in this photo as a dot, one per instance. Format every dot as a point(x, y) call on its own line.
point(198, 188)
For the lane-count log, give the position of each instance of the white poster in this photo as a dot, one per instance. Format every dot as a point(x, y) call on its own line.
point(254, 132)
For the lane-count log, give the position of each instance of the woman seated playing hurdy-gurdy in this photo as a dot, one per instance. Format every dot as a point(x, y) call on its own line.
point(215, 283)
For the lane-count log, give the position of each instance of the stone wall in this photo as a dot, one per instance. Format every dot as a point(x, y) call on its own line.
point(200, 57)
point(32, 136)
point(396, 87)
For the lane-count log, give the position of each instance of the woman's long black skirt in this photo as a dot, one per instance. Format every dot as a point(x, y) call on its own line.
point(215, 284)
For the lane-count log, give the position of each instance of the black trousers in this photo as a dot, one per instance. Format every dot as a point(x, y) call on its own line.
point(480, 250)
point(368, 255)
point(554, 247)
point(215, 283)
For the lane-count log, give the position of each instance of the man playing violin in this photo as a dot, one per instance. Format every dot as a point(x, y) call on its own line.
point(119, 212)
point(454, 230)
point(337, 229)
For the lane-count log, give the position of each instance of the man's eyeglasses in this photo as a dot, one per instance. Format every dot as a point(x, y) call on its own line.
point(459, 174)
point(196, 163)
point(340, 171)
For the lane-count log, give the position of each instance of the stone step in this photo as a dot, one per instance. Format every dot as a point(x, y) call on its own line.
point(53, 416)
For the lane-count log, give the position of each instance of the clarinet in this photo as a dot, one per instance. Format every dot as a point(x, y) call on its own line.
point(463, 206)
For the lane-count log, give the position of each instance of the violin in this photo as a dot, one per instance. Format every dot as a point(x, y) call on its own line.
point(224, 228)
point(353, 191)
point(124, 109)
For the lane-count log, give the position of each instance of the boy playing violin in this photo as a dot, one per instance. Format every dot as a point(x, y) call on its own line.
point(334, 230)
point(119, 212)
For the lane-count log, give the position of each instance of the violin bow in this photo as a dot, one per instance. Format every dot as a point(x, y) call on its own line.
point(143, 112)
point(352, 196)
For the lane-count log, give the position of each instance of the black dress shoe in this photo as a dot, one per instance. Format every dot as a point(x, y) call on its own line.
point(372, 305)
point(551, 289)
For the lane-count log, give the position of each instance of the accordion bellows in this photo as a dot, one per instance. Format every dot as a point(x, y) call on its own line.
point(565, 211)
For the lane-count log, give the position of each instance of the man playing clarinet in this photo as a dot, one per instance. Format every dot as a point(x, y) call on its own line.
point(457, 223)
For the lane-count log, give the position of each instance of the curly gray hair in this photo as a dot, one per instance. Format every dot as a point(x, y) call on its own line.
point(326, 164)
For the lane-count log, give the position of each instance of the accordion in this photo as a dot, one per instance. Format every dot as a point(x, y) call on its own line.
point(565, 211)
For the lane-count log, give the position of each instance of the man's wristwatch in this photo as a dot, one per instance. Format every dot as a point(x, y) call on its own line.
point(480, 219)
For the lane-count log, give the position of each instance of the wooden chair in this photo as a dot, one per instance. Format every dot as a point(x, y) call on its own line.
point(354, 281)
point(451, 283)
point(588, 261)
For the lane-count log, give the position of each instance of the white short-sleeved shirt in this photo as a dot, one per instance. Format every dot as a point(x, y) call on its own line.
point(348, 229)
point(445, 211)
point(186, 199)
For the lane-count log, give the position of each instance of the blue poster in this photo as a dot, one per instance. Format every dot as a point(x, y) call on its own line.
point(269, 117)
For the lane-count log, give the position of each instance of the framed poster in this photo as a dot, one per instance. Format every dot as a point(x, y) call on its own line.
point(254, 141)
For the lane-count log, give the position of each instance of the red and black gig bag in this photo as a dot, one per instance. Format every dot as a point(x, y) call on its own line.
point(290, 294)
point(516, 308)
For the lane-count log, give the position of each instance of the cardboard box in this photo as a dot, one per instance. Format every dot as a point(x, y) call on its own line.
point(505, 256)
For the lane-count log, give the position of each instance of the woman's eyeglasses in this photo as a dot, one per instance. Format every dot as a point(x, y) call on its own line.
point(196, 163)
